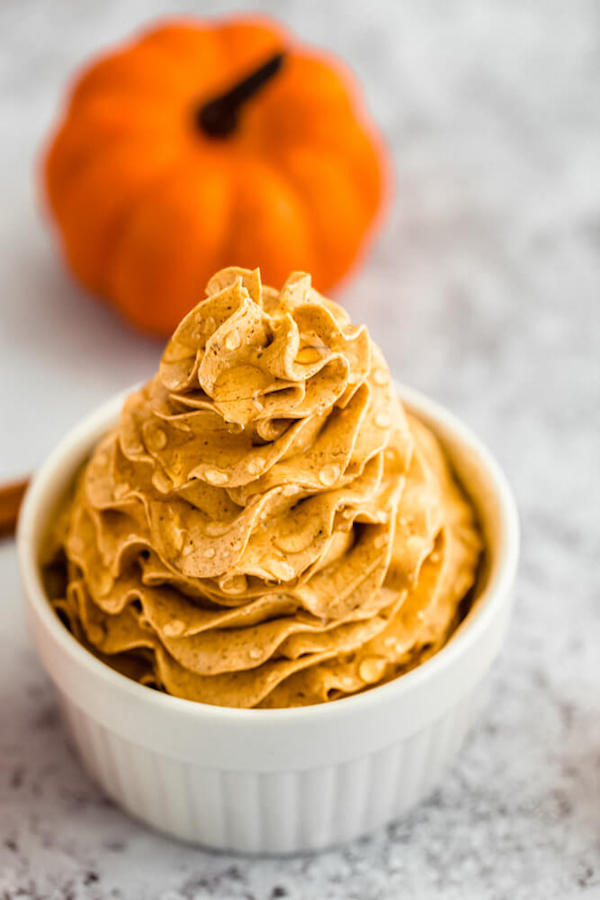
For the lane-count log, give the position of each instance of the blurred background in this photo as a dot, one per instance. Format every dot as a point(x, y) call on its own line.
point(489, 254)
point(482, 288)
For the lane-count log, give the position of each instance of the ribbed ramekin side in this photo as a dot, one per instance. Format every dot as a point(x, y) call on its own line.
point(264, 812)
point(426, 755)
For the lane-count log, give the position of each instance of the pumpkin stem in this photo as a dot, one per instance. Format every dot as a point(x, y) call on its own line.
point(219, 117)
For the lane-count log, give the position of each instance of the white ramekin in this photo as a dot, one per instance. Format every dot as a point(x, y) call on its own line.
point(275, 781)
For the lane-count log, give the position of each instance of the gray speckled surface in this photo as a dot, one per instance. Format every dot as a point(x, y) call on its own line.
point(484, 292)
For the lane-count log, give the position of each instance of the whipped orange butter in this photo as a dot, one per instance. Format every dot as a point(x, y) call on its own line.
point(266, 526)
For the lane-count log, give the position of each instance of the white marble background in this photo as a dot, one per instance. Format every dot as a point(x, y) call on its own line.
point(484, 291)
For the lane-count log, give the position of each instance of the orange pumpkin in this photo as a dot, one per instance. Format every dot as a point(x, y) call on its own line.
point(202, 145)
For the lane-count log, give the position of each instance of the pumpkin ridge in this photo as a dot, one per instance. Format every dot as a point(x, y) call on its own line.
point(97, 281)
point(84, 157)
point(283, 175)
point(345, 166)
point(116, 262)
point(133, 205)
point(320, 247)
point(95, 83)
point(277, 177)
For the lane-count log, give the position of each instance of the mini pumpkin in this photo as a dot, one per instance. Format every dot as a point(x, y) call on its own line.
point(202, 145)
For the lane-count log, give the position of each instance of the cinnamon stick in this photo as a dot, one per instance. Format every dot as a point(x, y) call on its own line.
point(11, 496)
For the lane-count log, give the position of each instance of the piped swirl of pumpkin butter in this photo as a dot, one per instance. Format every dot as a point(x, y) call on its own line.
point(266, 526)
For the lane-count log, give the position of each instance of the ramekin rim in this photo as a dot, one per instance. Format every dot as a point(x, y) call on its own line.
point(494, 593)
